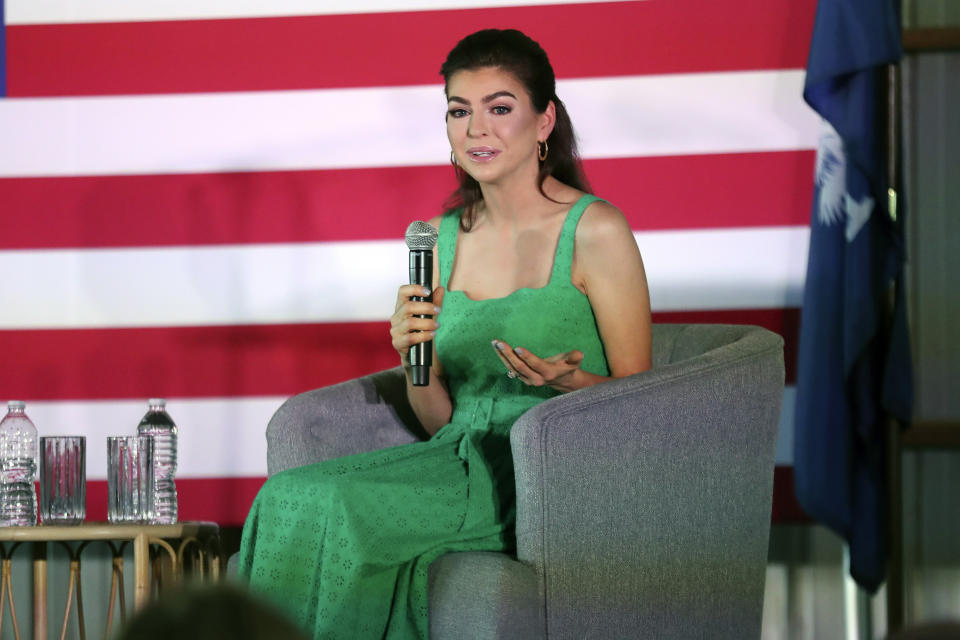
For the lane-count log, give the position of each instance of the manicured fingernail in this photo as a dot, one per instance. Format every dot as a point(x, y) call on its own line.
point(436, 309)
point(426, 291)
point(497, 345)
point(433, 333)
point(518, 351)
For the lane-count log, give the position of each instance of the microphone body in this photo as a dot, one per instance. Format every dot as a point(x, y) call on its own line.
point(421, 354)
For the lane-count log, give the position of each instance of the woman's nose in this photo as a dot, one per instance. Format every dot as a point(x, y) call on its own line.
point(477, 125)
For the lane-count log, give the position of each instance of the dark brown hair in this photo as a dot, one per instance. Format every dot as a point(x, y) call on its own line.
point(519, 55)
point(212, 612)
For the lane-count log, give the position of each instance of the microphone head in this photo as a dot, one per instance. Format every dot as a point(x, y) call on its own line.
point(420, 235)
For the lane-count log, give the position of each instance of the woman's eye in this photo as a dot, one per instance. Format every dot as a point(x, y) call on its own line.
point(457, 113)
point(501, 110)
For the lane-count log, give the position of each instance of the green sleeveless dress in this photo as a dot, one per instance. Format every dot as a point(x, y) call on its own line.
point(344, 545)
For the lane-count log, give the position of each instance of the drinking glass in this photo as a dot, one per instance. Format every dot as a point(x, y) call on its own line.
point(63, 480)
point(130, 479)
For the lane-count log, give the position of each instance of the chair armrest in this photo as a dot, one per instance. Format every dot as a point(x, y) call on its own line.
point(644, 503)
point(483, 595)
point(358, 415)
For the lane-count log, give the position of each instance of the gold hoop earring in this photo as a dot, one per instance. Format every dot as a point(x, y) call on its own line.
point(542, 150)
point(453, 160)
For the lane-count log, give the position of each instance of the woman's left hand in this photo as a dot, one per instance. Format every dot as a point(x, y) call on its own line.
point(556, 371)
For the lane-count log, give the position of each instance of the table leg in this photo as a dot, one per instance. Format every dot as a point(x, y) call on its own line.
point(141, 571)
point(5, 573)
point(216, 555)
point(71, 581)
point(80, 621)
point(116, 588)
point(40, 591)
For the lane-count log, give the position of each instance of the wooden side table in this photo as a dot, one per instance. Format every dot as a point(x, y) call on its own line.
point(200, 541)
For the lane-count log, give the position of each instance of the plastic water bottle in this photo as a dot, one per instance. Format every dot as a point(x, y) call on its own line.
point(18, 468)
point(157, 423)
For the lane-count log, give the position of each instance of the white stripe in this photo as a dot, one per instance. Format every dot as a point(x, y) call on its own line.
point(744, 268)
point(784, 453)
point(751, 268)
point(692, 113)
point(64, 11)
point(218, 437)
point(318, 282)
point(383, 127)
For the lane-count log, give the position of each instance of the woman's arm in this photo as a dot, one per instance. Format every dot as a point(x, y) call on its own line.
point(607, 267)
point(431, 403)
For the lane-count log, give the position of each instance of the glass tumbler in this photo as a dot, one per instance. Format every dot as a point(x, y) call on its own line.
point(63, 480)
point(130, 488)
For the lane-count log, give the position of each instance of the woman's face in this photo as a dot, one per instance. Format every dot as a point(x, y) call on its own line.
point(492, 126)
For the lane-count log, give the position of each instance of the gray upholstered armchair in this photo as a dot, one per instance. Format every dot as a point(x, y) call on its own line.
point(643, 504)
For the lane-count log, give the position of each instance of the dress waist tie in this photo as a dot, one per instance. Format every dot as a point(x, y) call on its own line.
point(482, 425)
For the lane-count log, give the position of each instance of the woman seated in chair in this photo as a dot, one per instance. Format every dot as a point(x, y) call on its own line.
point(542, 291)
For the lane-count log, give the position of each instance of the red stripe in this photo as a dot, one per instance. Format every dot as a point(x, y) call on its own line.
point(254, 54)
point(708, 191)
point(685, 192)
point(190, 361)
point(786, 508)
point(227, 501)
point(785, 322)
point(255, 360)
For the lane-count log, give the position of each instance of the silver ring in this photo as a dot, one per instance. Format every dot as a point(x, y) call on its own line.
point(511, 374)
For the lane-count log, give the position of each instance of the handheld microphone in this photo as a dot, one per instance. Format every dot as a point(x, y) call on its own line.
point(421, 238)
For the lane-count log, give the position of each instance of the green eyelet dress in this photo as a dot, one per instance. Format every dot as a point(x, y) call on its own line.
point(344, 545)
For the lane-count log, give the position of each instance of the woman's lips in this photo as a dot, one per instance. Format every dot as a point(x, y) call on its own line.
point(482, 154)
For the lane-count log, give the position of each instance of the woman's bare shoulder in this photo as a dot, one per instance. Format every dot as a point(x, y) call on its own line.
point(601, 223)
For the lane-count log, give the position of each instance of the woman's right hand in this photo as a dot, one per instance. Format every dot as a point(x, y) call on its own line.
point(431, 403)
point(405, 328)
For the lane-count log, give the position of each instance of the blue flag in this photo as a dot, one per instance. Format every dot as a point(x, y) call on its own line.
point(854, 368)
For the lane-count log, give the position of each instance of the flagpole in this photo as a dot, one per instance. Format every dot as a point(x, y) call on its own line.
point(895, 577)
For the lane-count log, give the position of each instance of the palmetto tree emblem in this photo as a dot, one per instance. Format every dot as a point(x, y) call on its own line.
point(836, 203)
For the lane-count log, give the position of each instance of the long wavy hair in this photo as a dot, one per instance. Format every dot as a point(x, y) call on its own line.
point(521, 56)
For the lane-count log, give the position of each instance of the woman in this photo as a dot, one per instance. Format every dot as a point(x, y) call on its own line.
point(542, 291)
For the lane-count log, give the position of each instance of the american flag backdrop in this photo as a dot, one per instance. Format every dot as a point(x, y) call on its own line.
point(204, 200)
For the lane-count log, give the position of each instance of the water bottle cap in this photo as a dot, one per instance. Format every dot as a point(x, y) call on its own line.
point(16, 405)
point(157, 402)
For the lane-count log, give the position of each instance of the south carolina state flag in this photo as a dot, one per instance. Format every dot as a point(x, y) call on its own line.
point(854, 361)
